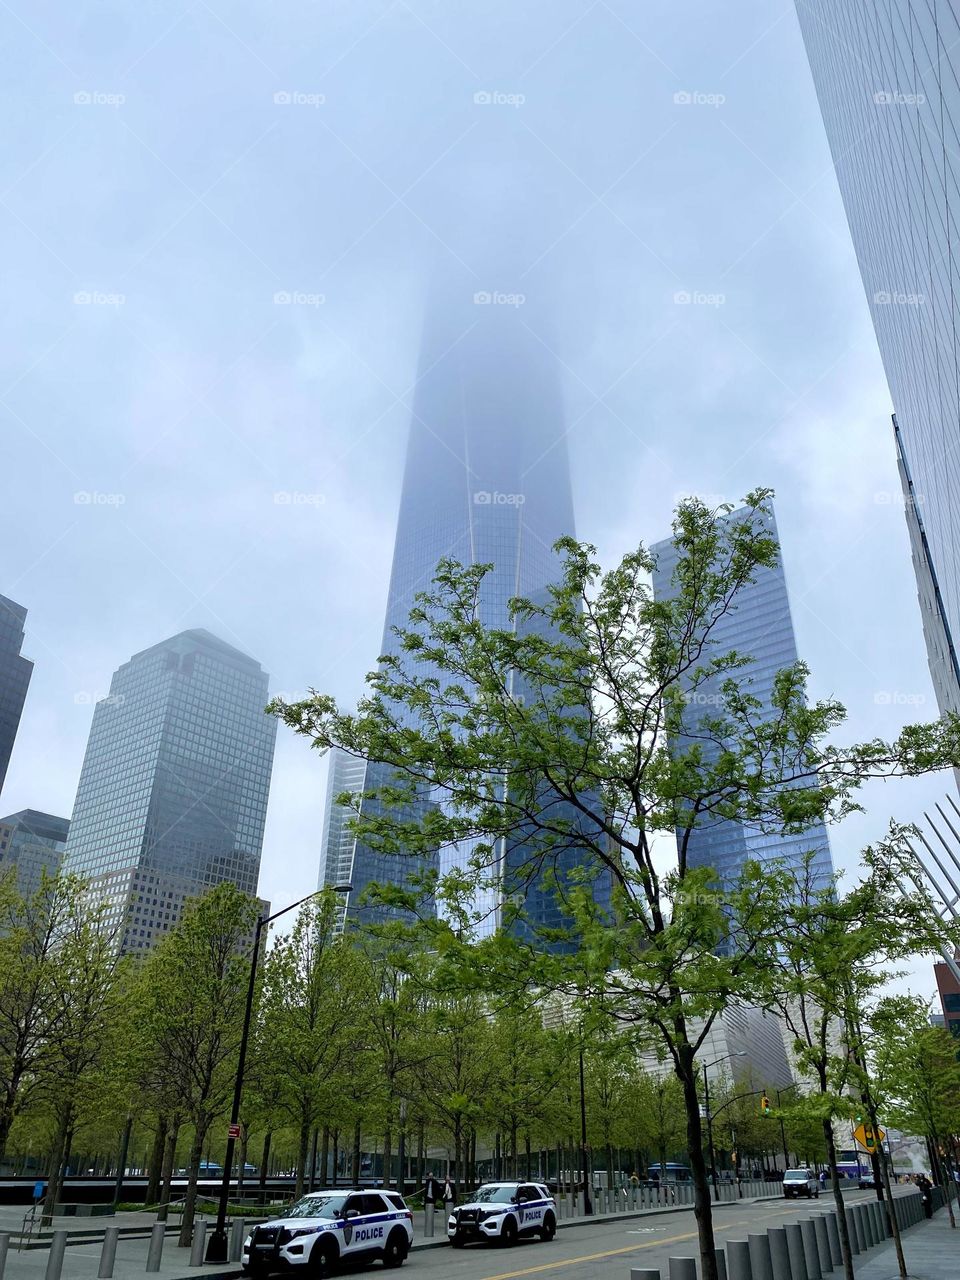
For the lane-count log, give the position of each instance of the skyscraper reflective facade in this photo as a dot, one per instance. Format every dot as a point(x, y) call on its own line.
point(32, 843)
point(759, 626)
point(486, 481)
point(15, 673)
point(173, 792)
point(888, 81)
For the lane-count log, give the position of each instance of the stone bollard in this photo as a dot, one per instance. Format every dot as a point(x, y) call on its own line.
point(779, 1253)
point(833, 1234)
point(197, 1243)
point(238, 1229)
point(738, 1260)
point(823, 1245)
point(108, 1254)
point(761, 1260)
point(811, 1253)
point(721, 1258)
point(644, 1273)
point(155, 1251)
point(869, 1225)
point(55, 1259)
point(852, 1232)
point(683, 1269)
point(4, 1246)
point(798, 1267)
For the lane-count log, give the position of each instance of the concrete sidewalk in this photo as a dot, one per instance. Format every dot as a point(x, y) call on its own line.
point(931, 1250)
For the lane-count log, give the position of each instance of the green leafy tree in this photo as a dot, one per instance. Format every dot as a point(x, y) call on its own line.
point(561, 738)
point(193, 988)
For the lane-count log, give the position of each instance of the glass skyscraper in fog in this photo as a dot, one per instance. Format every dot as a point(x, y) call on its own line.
point(173, 791)
point(486, 480)
point(759, 627)
point(888, 81)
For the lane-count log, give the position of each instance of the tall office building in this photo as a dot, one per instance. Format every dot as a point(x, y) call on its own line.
point(888, 80)
point(345, 775)
point(486, 481)
point(759, 626)
point(32, 843)
point(15, 673)
point(173, 792)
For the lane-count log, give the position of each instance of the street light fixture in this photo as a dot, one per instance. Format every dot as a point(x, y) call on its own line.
point(741, 1053)
point(217, 1245)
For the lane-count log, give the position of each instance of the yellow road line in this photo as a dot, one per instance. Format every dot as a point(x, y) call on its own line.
point(633, 1248)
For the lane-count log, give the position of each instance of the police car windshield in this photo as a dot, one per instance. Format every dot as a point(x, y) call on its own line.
point(317, 1207)
point(495, 1195)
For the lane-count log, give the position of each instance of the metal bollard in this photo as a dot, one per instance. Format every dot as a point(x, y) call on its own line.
point(4, 1246)
point(721, 1258)
point(108, 1254)
point(811, 1253)
point(197, 1243)
point(833, 1233)
point(238, 1229)
point(155, 1251)
point(779, 1253)
point(852, 1233)
point(428, 1221)
point(644, 1273)
point(683, 1269)
point(866, 1224)
point(823, 1245)
point(760, 1259)
point(738, 1260)
point(798, 1267)
point(883, 1221)
point(55, 1260)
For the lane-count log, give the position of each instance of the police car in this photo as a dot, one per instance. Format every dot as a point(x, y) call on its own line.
point(504, 1211)
point(326, 1228)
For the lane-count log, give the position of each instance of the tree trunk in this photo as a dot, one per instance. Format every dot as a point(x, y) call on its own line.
point(155, 1163)
point(303, 1146)
point(265, 1160)
point(190, 1199)
point(336, 1156)
point(686, 1070)
point(169, 1157)
point(55, 1167)
point(325, 1156)
point(387, 1158)
point(514, 1166)
point(847, 1256)
point(355, 1166)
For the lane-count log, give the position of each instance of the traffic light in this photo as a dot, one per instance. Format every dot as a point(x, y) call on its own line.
point(764, 1105)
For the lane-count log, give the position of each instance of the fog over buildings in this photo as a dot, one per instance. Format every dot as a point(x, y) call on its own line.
point(222, 231)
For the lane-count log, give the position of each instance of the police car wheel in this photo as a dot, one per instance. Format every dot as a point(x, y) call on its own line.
point(457, 1241)
point(323, 1259)
point(549, 1228)
point(395, 1252)
point(508, 1233)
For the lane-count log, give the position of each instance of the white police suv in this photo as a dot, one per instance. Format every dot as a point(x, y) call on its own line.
point(504, 1211)
point(327, 1228)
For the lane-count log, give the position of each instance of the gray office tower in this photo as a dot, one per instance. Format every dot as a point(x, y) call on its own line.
point(173, 792)
point(15, 673)
point(31, 843)
point(486, 480)
point(758, 627)
point(888, 80)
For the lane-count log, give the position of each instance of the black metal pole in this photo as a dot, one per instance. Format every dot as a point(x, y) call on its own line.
point(217, 1244)
point(713, 1159)
point(783, 1136)
point(587, 1201)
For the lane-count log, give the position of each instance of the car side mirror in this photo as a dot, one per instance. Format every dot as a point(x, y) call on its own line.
point(352, 1213)
point(513, 1200)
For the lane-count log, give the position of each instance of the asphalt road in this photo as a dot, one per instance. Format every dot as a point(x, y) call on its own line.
point(604, 1250)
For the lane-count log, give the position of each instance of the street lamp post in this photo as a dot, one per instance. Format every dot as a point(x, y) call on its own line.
point(217, 1244)
point(587, 1201)
point(741, 1053)
point(783, 1135)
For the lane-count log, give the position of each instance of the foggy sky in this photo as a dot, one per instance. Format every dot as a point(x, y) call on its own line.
point(183, 447)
